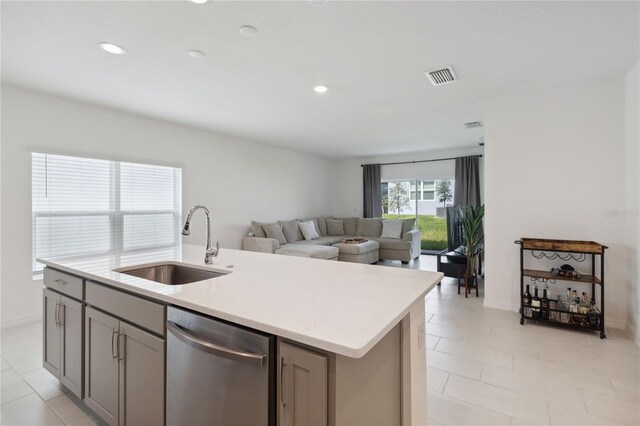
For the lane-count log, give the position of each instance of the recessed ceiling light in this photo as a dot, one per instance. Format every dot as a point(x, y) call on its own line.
point(321, 89)
point(112, 48)
point(248, 31)
point(197, 54)
point(199, 1)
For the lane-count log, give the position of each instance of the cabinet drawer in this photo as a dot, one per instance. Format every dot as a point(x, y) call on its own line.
point(145, 313)
point(64, 283)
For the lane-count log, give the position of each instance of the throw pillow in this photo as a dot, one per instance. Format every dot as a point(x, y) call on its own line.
point(350, 225)
point(312, 219)
point(308, 230)
point(407, 225)
point(275, 231)
point(391, 229)
point(335, 227)
point(257, 229)
point(291, 231)
point(368, 227)
point(322, 225)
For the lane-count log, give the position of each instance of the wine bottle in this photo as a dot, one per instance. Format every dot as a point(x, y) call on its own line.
point(526, 302)
point(544, 305)
point(535, 304)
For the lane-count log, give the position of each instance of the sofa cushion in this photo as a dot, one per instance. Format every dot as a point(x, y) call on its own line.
point(274, 230)
point(391, 229)
point(316, 252)
point(393, 244)
point(315, 224)
point(316, 242)
point(257, 229)
point(322, 225)
point(308, 230)
point(407, 225)
point(291, 231)
point(335, 227)
point(350, 224)
point(368, 227)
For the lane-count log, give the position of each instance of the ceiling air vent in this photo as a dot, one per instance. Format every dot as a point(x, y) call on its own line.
point(443, 76)
point(473, 124)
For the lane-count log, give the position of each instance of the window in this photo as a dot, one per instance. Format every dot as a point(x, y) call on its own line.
point(428, 190)
point(91, 206)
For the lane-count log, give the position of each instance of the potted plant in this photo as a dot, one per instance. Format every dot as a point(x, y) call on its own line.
point(473, 236)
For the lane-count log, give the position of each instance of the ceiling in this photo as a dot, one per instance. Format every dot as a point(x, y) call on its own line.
point(372, 55)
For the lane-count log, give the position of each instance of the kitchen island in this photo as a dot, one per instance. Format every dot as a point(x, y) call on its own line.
point(360, 317)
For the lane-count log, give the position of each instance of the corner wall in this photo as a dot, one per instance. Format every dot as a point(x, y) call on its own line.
point(554, 168)
point(632, 208)
point(238, 180)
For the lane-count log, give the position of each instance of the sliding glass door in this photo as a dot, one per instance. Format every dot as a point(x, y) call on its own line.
point(424, 199)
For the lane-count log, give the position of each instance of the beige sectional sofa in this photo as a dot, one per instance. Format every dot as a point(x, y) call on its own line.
point(405, 247)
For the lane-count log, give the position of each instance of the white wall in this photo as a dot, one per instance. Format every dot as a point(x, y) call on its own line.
point(632, 208)
point(554, 168)
point(237, 180)
point(349, 192)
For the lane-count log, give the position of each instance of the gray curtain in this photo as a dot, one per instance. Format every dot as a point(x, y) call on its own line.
point(467, 187)
point(372, 190)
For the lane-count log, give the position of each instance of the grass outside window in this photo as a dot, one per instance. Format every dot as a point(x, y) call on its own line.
point(433, 230)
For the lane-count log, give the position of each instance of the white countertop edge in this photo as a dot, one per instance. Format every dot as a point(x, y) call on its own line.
point(348, 351)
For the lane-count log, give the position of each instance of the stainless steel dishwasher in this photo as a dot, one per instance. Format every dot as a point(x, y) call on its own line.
point(218, 373)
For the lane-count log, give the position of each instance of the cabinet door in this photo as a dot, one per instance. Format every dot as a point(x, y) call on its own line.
point(303, 386)
point(51, 352)
point(72, 325)
point(142, 372)
point(101, 365)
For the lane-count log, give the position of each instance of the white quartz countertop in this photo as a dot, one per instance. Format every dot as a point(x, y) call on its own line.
point(341, 307)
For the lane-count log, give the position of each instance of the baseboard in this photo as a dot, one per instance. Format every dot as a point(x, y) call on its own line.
point(615, 324)
point(499, 305)
point(14, 322)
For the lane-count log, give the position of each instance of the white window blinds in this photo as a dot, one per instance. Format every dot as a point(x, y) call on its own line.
point(83, 206)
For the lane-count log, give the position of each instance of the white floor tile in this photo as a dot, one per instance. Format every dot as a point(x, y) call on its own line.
point(453, 364)
point(12, 386)
point(626, 389)
point(450, 411)
point(25, 359)
point(440, 310)
point(549, 390)
point(512, 347)
point(473, 327)
point(436, 379)
point(44, 383)
point(608, 367)
point(476, 353)
point(518, 422)
point(68, 408)
point(5, 364)
point(518, 335)
point(498, 399)
point(432, 341)
point(551, 371)
point(563, 416)
point(453, 333)
point(29, 410)
point(612, 407)
point(18, 337)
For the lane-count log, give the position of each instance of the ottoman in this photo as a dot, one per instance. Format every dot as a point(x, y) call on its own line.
point(365, 252)
point(314, 251)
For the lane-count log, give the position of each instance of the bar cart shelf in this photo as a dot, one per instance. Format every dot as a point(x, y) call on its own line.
point(564, 250)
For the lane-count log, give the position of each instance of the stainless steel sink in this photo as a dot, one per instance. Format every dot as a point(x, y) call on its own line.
point(171, 273)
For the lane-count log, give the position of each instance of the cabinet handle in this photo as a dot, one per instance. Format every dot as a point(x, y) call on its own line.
point(61, 312)
point(114, 354)
point(282, 365)
point(59, 281)
point(56, 314)
point(120, 349)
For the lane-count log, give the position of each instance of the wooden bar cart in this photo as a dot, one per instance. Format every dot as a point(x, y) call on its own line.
point(565, 250)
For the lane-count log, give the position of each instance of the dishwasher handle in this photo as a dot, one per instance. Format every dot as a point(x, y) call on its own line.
point(212, 348)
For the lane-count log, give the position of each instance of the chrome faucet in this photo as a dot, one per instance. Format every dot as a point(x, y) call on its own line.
point(210, 252)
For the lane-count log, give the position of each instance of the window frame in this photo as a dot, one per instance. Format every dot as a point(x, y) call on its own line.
point(115, 214)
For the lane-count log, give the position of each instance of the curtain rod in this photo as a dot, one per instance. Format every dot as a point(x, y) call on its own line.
point(422, 161)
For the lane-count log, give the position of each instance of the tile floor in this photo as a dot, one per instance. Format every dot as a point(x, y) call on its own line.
point(483, 368)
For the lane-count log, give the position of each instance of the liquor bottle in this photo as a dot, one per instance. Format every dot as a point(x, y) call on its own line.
point(593, 317)
point(526, 302)
point(567, 299)
point(535, 304)
point(544, 305)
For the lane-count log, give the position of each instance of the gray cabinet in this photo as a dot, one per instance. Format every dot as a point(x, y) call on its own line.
point(62, 339)
point(124, 371)
point(302, 390)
